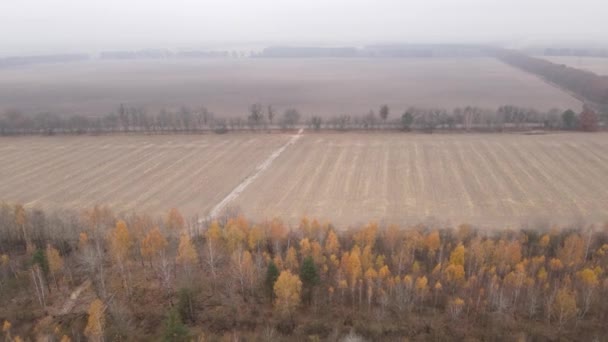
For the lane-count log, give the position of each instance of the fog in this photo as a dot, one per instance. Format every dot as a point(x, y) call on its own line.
point(32, 26)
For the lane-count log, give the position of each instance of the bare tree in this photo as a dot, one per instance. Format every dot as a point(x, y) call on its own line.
point(369, 120)
point(384, 112)
point(316, 122)
point(123, 116)
point(255, 115)
point(270, 113)
point(290, 119)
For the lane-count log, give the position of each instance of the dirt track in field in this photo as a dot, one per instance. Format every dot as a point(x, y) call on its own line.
point(486, 179)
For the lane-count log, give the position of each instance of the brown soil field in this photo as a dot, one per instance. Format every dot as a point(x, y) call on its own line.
point(486, 179)
point(491, 180)
point(597, 65)
point(326, 87)
point(146, 173)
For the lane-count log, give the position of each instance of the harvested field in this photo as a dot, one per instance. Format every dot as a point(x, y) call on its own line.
point(227, 87)
point(146, 173)
point(598, 65)
point(491, 179)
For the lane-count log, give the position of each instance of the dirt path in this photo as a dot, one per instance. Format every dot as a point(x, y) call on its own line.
point(215, 211)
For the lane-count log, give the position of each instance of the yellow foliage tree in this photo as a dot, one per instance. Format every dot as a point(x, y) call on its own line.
point(235, 237)
point(305, 248)
point(317, 253)
point(55, 262)
point(367, 258)
point(243, 270)
point(186, 252)
point(457, 255)
point(454, 274)
point(4, 260)
point(214, 242)
point(371, 275)
point(564, 307)
point(332, 244)
point(367, 235)
point(278, 261)
point(513, 252)
point(278, 232)
point(589, 282)
point(291, 259)
point(544, 241)
point(353, 267)
point(120, 245)
point(6, 329)
point(572, 251)
point(384, 272)
point(555, 265)
point(175, 220)
point(432, 242)
point(255, 237)
point(153, 244)
point(214, 232)
point(455, 307)
point(96, 321)
point(287, 290)
point(21, 222)
point(83, 240)
point(120, 242)
point(421, 287)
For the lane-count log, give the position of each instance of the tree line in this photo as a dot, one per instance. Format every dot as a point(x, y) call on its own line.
point(585, 84)
point(132, 119)
point(231, 279)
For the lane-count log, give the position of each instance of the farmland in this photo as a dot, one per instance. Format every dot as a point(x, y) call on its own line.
point(145, 173)
point(227, 87)
point(598, 65)
point(492, 179)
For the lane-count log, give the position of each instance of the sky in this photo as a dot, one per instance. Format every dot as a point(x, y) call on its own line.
point(30, 26)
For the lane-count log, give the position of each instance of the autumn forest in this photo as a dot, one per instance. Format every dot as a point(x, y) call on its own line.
point(73, 276)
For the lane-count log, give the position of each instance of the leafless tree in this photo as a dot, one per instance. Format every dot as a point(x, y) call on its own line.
point(384, 112)
point(256, 117)
point(270, 113)
point(291, 117)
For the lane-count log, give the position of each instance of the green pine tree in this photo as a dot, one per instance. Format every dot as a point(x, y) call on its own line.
point(272, 274)
point(309, 277)
point(175, 330)
point(39, 258)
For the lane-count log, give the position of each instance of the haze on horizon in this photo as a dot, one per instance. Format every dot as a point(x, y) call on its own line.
point(34, 26)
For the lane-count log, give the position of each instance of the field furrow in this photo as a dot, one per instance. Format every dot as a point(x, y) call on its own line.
point(491, 180)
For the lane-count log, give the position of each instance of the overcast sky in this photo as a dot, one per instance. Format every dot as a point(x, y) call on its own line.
point(48, 25)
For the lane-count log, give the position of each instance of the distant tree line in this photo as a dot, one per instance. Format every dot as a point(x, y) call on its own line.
point(585, 84)
point(577, 52)
point(470, 118)
point(124, 119)
point(168, 54)
point(130, 119)
point(375, 51)
point(15, 61)
point(28, 60)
